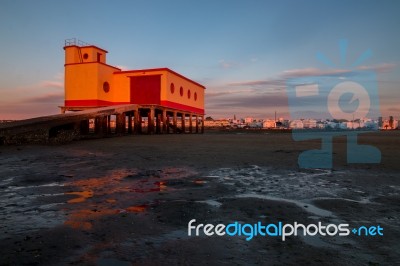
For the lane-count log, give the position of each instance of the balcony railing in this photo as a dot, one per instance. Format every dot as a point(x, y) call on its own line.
point(75, 41)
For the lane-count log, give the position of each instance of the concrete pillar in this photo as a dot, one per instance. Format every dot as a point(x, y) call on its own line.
point(183, 122)
point(202, 124)
point(104, 125)
point(137, 122)
point(190, 123)
point(130, 123)
point(97, 125)
point(164, 121)
point(175, 122)
point(120, 124)
point(84, 127)
point(150, 120)
point(158, 124)
point(197, 124)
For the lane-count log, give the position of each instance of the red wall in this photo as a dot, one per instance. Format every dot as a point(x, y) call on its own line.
point(146, 89)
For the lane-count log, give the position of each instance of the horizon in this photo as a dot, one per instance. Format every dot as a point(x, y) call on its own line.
point(243, 53)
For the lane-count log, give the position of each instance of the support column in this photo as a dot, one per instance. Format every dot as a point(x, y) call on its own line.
point(175, 122)
point(84, 127)
point(158, 124)
point(137, 122)
point(130, 123)
point(202, 124)
point(120, 124)
point(150, 120)
point(190, 123)
point(104, 125)
point(197, 124)
point(97, 125)
point(183, 122)
point(164, 122)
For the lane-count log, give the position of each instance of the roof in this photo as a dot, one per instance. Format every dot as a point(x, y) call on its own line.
point(160, 69)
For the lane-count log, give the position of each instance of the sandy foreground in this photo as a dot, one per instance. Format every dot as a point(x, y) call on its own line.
point(128, 201)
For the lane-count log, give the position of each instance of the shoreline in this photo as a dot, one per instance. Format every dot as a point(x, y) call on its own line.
point(129, 200)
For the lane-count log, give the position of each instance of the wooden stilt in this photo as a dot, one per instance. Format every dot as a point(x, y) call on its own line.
point(120, 124)
point(175, 122)
point(164, 121)
point(183, 117)
point(202, 124)
point(190, 123)
point(197, 124)
point(150, 117)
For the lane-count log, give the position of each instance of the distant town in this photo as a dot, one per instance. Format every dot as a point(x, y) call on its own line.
point(251, 123)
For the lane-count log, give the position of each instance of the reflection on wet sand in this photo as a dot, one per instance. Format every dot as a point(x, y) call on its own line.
point(114, 194)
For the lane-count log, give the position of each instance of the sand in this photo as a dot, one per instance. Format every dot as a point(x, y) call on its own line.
point(128, 200)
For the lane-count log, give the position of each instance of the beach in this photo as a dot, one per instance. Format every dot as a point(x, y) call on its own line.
point(128, 200)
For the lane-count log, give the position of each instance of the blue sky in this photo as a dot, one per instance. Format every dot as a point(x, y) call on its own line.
point(242, 51)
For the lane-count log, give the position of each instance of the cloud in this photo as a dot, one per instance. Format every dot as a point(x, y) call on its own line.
point(306, 72)
point(381, 68)
point(51, 84)
point(123, 68)
point(227, 92)
point(56, 98)
point(225, 64)
point(258, 83)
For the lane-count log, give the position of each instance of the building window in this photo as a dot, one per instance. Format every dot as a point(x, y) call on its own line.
point(172, 88)
point(106, 87)
point(85, 56)
point(195, 96)
point(181, 91)
point(188, 94)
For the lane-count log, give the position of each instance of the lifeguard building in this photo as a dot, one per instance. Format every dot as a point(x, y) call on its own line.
point(159, 93)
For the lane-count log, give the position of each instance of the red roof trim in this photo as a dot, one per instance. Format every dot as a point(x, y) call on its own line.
point(182, 107)
point(88, 46)
point(70, 64)
point(160, 69)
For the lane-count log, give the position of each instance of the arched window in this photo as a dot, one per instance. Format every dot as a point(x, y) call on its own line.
point(181, 91)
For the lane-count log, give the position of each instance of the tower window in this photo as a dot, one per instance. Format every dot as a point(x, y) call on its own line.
point(181, 91)
point(85, 56)
point(195, 96)
point(188, 94)
point(106, 87)
point(172, 88)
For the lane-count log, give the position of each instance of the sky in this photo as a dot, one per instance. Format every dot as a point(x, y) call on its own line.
point(243, 52)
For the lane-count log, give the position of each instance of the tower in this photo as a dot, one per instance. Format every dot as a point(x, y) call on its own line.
point(88, 78)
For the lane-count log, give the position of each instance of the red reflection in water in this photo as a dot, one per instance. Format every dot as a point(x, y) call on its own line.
point(109, 195)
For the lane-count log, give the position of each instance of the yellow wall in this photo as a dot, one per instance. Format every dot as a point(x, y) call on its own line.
point(166, 94)
point(75, 54)
point(81, 81)
point(84, 79)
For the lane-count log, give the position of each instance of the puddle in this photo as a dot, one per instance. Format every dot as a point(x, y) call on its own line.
point(305, 206)
point(211, 202)
point(115, 192)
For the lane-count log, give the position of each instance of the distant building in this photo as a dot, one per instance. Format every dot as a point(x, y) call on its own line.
point(269, 123)
point(309, 123)
point(386, 124)
point(296, 124)
point(217, 123)
point(249, 120)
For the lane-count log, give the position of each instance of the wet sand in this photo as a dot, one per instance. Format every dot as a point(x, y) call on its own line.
point(128, 200)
